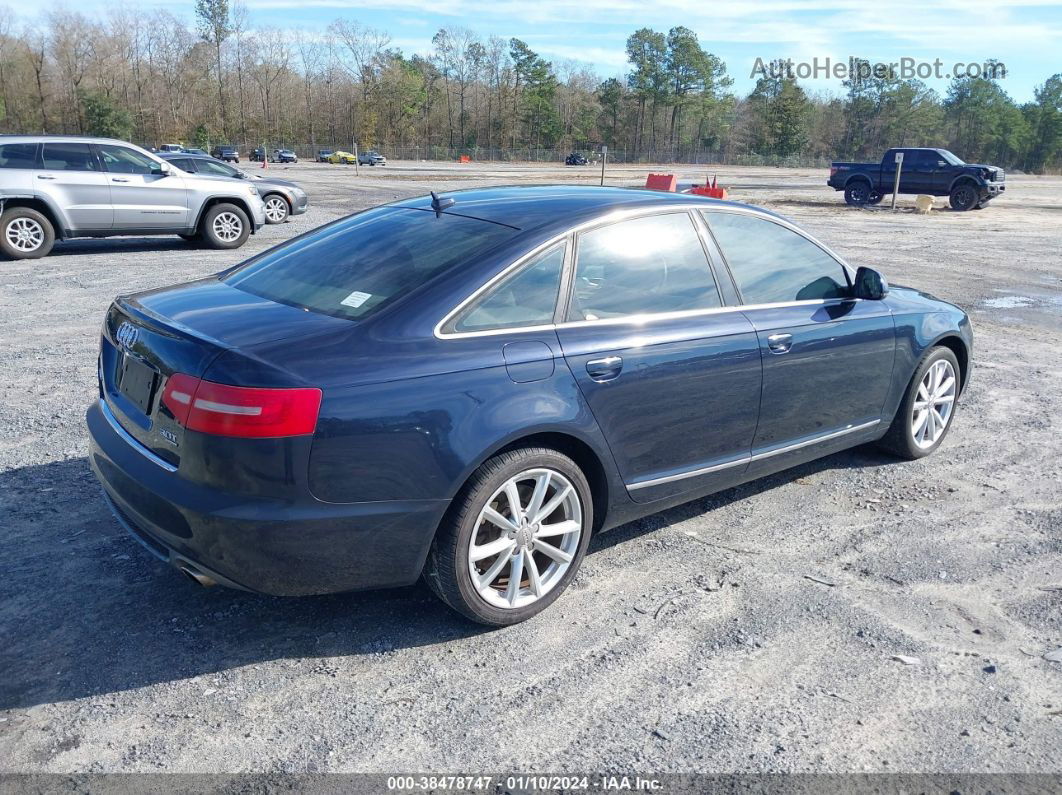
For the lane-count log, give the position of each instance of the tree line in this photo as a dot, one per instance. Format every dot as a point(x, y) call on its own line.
point(155, 78)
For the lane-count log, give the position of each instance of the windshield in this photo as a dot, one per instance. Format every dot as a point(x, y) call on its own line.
point(952, 159)
point(358, 265)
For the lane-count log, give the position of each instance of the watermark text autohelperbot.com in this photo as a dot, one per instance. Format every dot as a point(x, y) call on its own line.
point(858, 69)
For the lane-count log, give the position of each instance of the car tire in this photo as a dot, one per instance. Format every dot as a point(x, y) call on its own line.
point(916, 430)
point(225, 226)
point(964, 196)
point(277, 208)
point(857, 193)
point(492, 600)
point(25, 233)
point(875, 197)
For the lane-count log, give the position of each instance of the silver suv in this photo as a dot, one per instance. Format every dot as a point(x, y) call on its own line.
point(73, 186)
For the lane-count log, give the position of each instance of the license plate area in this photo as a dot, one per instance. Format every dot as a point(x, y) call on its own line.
point(137, 381)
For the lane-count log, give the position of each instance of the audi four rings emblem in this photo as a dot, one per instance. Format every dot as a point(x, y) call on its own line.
point(127, 335)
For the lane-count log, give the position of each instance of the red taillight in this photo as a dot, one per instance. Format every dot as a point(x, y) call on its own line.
point(226, 410)
point(833, 170)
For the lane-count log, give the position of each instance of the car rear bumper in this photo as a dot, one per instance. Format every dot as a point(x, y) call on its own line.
point(271, 546)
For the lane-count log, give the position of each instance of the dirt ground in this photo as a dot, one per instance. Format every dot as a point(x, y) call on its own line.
point(755, 630)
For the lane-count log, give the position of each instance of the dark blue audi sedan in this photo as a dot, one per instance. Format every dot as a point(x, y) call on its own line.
point(467, 388)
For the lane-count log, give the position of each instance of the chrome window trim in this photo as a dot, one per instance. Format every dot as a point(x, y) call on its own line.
point(748, 459)
point(131, 440)
point(622, 215)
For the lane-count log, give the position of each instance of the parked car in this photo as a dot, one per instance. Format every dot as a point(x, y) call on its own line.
point(575, 159)
point(227, 153)
point(421, 389)
point(60, 187)
point(171, 148)
point(371, 158)
point(193, 151)
point(342, 157)
point(936, 172)
point(281, 197)
point(284, 156)
point(323, 155)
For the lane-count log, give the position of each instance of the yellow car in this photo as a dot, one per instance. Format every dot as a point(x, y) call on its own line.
point(342, 157)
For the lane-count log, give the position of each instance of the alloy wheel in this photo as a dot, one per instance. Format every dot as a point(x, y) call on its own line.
point(25, 234)
point(933, 404)
point(227, 227)
point(525, 538)
point(276, 209)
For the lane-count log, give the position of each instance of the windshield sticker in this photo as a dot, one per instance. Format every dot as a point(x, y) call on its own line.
point(356, 299)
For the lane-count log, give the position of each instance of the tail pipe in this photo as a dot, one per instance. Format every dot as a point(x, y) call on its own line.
point(196, 576)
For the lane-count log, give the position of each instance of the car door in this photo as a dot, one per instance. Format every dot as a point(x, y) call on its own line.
point(142, 197)
point(71, 177)
point(670, 373)
point(827, 358)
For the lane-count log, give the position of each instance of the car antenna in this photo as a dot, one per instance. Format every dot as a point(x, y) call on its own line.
point(439, 205)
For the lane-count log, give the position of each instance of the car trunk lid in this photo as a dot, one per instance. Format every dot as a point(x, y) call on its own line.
point(149, 337)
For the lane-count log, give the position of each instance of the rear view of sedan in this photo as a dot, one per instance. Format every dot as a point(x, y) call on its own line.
point(465, 389)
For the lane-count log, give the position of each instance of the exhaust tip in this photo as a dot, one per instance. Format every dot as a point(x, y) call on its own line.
point(197, 576)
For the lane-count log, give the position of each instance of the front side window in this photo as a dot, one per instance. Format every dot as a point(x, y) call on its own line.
point(772, 264)
point(183, 163)
point(525, 298)
point(214, 168)
point(18, 155)
point(356, 266)
point(119, 160)
point(69, 157)
point(642, 266)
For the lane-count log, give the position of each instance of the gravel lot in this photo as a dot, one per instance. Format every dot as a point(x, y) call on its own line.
point(754, 630)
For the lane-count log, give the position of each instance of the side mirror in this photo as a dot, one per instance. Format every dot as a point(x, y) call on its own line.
point(869, 285)
point(162, 169)
point(941, 164)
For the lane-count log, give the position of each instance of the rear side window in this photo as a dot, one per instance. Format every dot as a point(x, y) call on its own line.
point(69, 157)
point(772, 264)
point(642, 266)
point(119, 160)
point(356, 266)
point(525, 298)
point(18, 155)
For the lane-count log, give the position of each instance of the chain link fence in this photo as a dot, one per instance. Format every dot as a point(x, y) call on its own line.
point(482, 154)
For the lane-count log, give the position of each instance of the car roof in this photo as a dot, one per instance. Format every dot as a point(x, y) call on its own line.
point(528, 207)
point(191, 155)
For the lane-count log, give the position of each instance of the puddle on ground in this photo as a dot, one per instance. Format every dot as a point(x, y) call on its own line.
point(1029, 307)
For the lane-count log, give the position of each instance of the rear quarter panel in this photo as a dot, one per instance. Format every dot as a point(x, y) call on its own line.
point(420, 437)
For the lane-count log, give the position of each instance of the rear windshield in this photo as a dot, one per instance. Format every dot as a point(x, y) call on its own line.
point(356, 266)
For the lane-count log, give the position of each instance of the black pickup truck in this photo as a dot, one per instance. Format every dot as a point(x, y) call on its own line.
point(936, 172)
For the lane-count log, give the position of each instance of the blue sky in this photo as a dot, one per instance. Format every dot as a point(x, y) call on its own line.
point(1026, 35)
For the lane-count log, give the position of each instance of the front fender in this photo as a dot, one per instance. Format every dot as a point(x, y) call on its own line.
point(975, 179)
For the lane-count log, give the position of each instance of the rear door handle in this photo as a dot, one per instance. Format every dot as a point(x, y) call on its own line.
point(604, 369)
point(45, 176)
point(119, 179)
point(780, 343)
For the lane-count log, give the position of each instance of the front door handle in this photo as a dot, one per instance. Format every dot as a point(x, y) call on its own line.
point(604, 369)
point(45, 176)
point(119, 179)
point(780, 343)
